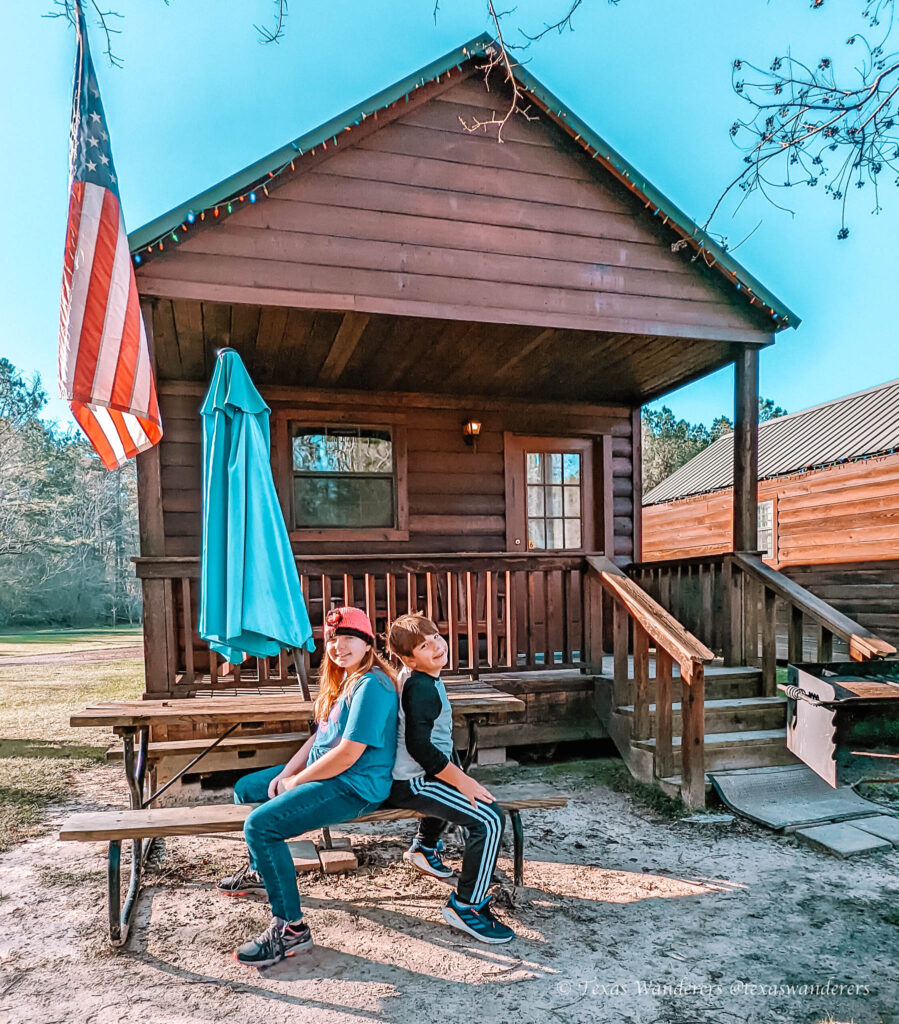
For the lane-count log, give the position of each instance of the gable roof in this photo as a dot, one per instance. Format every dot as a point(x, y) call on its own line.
point(853, 427)
point(266, 173)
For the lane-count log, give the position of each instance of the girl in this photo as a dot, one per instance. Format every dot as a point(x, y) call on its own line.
point(340, 772)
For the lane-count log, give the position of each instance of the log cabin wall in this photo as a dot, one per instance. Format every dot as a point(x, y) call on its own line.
point(456, 497)
point(413, 216)
point(841, 514)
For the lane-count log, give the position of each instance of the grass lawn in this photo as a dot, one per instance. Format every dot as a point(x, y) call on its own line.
point(59, 641)
point(39, 752)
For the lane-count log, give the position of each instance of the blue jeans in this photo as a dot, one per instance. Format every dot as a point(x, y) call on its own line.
point(309, 806)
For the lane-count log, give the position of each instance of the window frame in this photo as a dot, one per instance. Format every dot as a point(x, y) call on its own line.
point(772, 554)
point(287, 419)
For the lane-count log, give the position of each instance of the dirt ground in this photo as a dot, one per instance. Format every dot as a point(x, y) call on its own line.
point(627, 915)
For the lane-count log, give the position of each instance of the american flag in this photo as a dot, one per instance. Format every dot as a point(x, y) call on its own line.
point(105, 371)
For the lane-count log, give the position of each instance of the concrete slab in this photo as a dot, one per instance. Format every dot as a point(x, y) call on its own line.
point(336, 860)
point(842, 839)
point(885, 826)
point(305, 855)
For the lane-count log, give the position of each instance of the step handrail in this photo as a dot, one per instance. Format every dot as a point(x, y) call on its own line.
point(863, 644)
point(659, 623)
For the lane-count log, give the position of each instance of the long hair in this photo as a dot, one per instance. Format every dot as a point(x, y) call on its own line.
point(334, 682)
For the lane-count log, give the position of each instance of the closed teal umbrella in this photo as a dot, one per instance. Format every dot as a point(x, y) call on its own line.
point(250, 597)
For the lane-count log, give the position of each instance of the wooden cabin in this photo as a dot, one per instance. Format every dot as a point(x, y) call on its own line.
point(455, 337)
point(828, 504)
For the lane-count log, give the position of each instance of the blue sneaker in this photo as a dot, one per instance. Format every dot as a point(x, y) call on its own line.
point(426, 859)
point(477, 919)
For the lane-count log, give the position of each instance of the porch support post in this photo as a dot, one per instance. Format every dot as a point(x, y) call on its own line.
point(746, 450)
point(158, 601)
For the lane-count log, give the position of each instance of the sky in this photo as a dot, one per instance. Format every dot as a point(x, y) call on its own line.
point(199, 97)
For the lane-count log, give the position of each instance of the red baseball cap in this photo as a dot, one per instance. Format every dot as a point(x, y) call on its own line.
point(349, 621)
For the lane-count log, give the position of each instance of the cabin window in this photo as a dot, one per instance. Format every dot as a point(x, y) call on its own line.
point(765, 539)
point(344, 477)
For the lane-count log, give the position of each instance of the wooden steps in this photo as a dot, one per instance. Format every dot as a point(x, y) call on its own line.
point(741, 749)
point(730, 715)
point(742, 727)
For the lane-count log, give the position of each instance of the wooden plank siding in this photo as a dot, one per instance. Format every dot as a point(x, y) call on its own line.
point(420, 220)
point(456, 497)
point(841, 514)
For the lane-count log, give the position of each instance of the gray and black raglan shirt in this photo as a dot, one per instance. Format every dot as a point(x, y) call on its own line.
point(424, 738)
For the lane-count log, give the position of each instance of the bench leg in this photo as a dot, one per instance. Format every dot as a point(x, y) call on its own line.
point(518, 847)
point(119, 917)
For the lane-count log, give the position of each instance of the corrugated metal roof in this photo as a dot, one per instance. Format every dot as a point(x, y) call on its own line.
point(865, 423)
point(266, 172)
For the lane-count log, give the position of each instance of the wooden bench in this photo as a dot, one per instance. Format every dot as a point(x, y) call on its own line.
point(143, 826)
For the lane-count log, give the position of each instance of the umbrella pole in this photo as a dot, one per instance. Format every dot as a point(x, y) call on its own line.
point(299, 663)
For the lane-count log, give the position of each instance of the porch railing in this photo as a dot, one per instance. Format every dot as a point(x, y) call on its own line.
point(651, 625)
point(498, 612)
point(754, 615)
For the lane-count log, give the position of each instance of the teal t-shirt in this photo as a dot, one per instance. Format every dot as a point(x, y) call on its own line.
point(367, 715)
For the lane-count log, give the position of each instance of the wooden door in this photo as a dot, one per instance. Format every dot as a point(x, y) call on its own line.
point(549, 494)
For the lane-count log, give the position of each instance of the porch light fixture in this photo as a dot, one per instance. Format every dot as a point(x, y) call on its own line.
point(471, 430)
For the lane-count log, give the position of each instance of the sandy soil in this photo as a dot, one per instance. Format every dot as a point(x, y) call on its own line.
point(626, 916)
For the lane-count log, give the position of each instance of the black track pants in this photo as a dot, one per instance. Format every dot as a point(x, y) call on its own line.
point(444, 803)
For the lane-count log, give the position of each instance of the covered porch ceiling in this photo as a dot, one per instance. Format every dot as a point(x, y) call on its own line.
point(312, 348)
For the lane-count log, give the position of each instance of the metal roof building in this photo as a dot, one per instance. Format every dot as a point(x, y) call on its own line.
point(846, 429)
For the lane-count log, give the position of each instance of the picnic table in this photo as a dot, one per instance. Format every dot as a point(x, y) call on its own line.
point(223, 715)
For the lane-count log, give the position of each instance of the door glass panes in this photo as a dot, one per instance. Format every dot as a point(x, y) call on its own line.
point(554, 500)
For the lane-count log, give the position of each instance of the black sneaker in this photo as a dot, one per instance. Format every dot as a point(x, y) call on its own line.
point(280, 940)
point(426, 859)
point(244, 882)
point(477, 919)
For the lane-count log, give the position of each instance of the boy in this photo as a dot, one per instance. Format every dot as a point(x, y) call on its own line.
point(425, 779)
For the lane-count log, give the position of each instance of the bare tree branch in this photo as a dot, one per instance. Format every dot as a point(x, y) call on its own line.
point(842, 133)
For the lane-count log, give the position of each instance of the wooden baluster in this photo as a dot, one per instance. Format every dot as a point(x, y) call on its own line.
point(664, 597)
point(825, 644)
point(692, 765)
point(641, 726)
point(188, 631)
point(769, 644)
point(371, 607)
point(348, 598)
point(531, 579)
point(430, 596)
point(326, 597)
point(550, 618)
point(509, 616)
point(564, 612)
point(621, 688)
point(471, 621)
point(664, 758)
point(705, 600)
point(390, 589)
point(411, 592)
point(235, 671)
point(732, 587)
point(592, 625)
point(794, 636)
point(213, 668)
point(282, 668)
point(452, 620)
point(491, 617)
point(750, 619)
point(263, 670)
